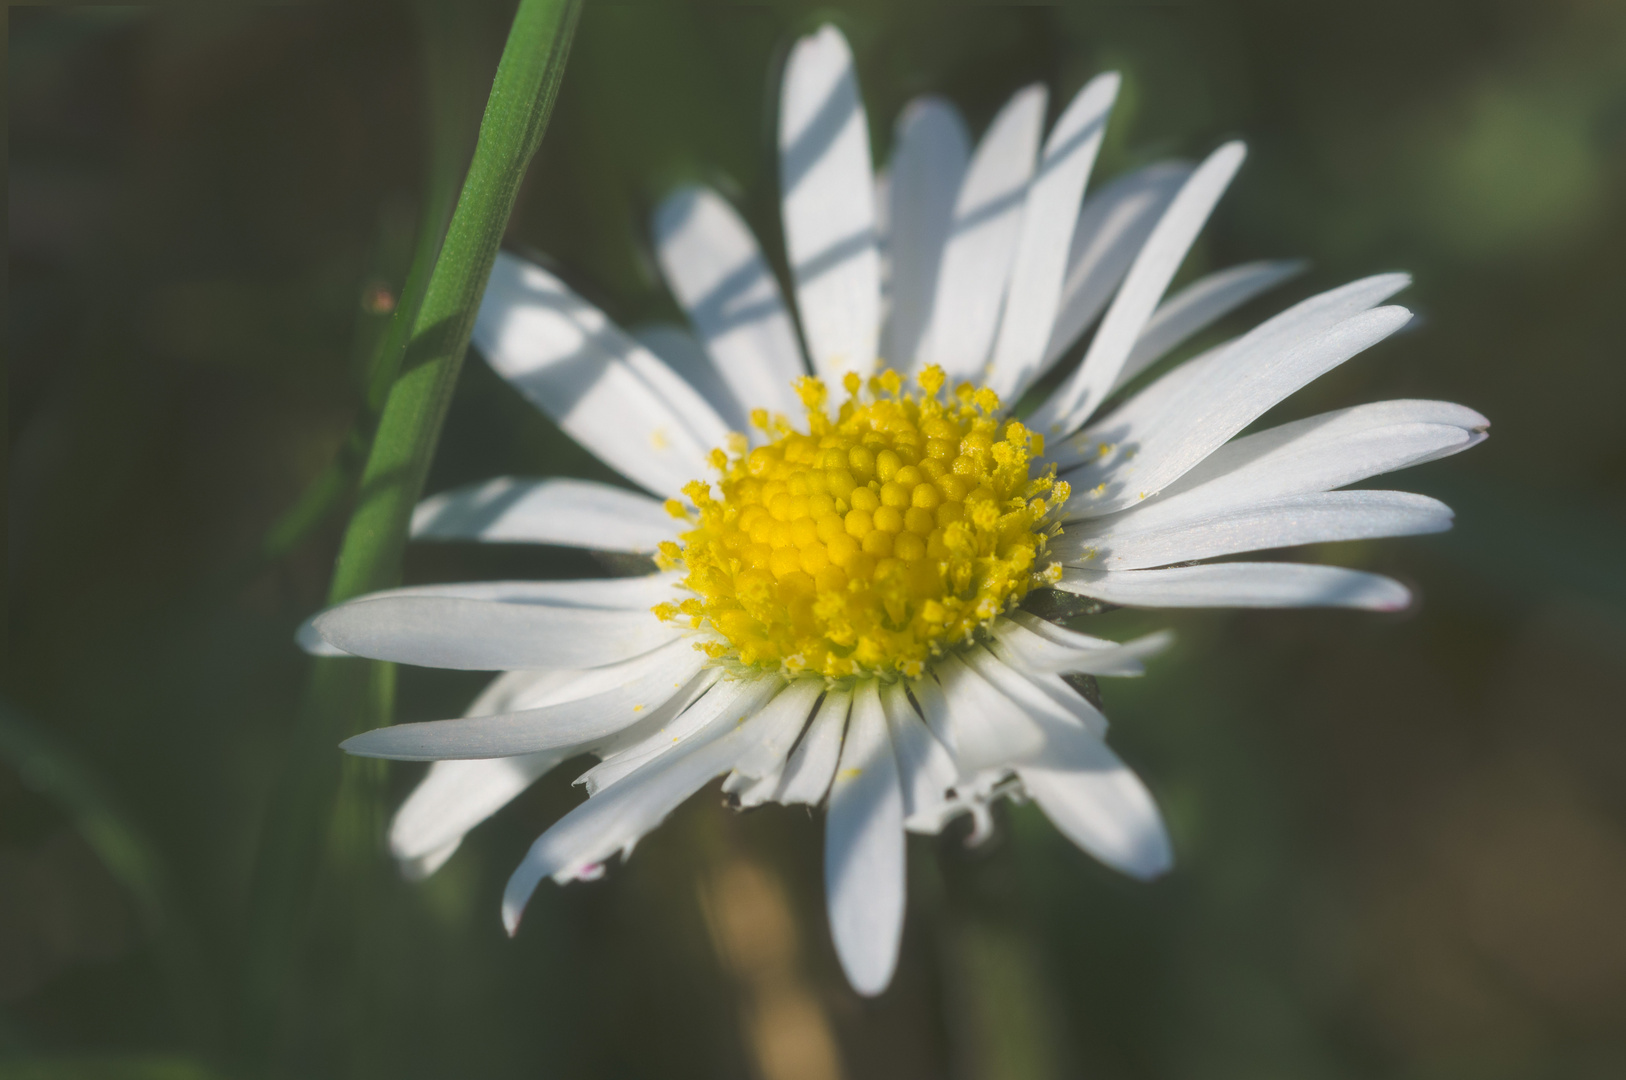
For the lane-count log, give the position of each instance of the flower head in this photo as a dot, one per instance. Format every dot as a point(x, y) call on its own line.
point(844, 547)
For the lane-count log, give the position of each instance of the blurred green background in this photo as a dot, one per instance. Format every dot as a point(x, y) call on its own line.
point(1401, 841)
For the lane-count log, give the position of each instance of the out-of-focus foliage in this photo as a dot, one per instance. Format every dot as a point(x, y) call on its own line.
point(1401, 842)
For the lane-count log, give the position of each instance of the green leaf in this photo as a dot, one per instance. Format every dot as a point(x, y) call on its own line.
point(348, 695)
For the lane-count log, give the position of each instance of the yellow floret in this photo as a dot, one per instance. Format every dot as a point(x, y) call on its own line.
point(871, 541)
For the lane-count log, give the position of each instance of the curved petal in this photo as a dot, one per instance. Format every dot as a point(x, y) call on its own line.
point(718, 274)
point(1101, 805)
point(601, 702)
point(808, 773)
point(1299, 519)
point(1034, 652)
point(605, 390)
point(987, 221)
point(864, 850)
point(826, 182)
point(1048, 217)
point(681, 351)
point(578, 844)
point(1258, 585)
point(925, 768)
point(570, 513)
point(928, 164)
point(1140, 455)
point(454, 797)
point(787, 716)
point(1199, 304)
point(1275, 336)
point(695, 717)
point(983, 727)
point(1113, 225)
point(1315, 454)
point(1078, 397)
point(488, 635)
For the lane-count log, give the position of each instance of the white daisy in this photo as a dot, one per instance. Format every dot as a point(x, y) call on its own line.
point(836, 619)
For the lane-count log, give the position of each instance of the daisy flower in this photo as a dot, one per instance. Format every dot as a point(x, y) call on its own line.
point(844, 545)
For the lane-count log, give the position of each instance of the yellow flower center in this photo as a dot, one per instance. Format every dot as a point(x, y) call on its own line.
point(870, 542)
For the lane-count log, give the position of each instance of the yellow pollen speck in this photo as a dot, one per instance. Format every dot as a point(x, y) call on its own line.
point(658, 439)
point(637, 708)
point(871, 541)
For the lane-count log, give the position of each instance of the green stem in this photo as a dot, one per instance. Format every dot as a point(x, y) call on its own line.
point(346, 695)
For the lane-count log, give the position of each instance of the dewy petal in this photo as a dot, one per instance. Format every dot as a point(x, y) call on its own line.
point(1112, 228)
point(681, 351)
point(983, 237)
point(1078, 397)
point(864, 849)
point(605, 390)
point(1143, 455)
point(925, 769)
point(1048, 216)
point(601, 702)
point(1289, 522)
point(982, 727)
point(1199, 304)
point(718, 274)
point(1316, 454)
point(929, 161)
point(1098, 803)
point(454, 797)
point(1036, 653)
point(579, 843)
point(826, 183)
point(1259, 585)
point(570, 513)
point(487, 635)
point(807, 775)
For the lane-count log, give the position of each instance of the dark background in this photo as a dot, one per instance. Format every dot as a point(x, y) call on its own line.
point(1401, 840)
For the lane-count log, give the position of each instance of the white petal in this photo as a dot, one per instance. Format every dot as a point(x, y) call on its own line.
point(807, 775)
point(625, 594)
point(488, 635)
point(579, 843)
point(1316, 454)
point(602, 702)
point(715, 269)
point(1035, 652)
point(1101, 805)
point(681, 351)
point(1298, 519)
point(925, 768)
point(1112, 228)
point(694, 718)
point(929, 161)
point(424, 866)
point(1048, 218)
point(1199, 304)
point(787, 716)
point(1154, 267)
point(1272, 338)
point(605, 390)
point(570, 513)
point(1045, 699)
point(984, 729)
point(826, 181)
point(1261, 585)
point(1145, 454)
point(982, 242)
point(864, 851)
point(455, 796)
